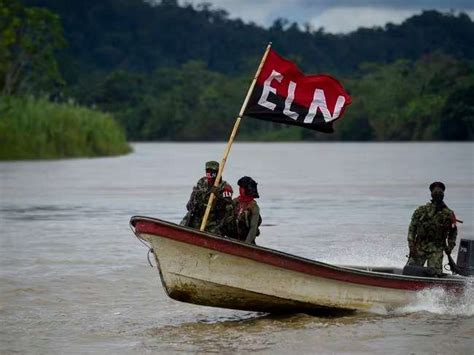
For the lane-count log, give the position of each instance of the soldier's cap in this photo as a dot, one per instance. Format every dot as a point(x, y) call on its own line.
point(212, 165)
point(437, 184)
point(250, 185)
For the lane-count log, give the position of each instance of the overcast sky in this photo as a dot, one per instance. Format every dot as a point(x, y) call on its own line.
point(336, 16)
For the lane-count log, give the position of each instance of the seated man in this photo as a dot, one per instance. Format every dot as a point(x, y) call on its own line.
point(246, 213)
point(199, 198)
point(432, 230)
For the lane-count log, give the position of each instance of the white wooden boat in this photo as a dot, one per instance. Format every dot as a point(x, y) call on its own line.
point(205, 269)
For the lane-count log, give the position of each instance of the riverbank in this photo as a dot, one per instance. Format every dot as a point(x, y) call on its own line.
point(39, 129)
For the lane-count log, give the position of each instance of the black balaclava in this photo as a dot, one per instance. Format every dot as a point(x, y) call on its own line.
point(437, 194)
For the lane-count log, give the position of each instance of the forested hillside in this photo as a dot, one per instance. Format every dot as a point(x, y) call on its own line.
point(168, 72)
point(134, 35)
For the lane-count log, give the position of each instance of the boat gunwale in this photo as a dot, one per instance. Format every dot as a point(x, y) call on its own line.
point(292, 262)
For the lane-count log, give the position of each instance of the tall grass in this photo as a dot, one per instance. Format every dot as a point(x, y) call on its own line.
point(38, 129)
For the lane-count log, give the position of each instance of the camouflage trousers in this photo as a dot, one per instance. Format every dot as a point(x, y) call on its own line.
point(434, 260)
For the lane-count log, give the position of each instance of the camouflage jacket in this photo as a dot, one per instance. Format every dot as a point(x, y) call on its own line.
point(246, 220)
point(198, 200)
point(431, 228)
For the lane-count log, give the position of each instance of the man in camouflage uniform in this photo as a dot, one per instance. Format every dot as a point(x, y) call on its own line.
point(197, 203)
point(432, 225)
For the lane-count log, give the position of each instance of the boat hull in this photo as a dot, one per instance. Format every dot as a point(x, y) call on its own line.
point(207, 270)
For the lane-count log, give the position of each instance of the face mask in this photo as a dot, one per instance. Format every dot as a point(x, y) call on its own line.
point(244, 197)
point(437, 195)
point(211, 175)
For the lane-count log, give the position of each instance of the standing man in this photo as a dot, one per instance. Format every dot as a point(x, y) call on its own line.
point(199, 198)
point(432, 226)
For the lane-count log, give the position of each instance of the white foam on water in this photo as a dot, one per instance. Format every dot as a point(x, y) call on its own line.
point(439, 301)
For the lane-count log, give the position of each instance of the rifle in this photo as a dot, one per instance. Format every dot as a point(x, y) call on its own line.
point(453, 266)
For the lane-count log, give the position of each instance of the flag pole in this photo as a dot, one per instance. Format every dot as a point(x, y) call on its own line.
point(232, 136)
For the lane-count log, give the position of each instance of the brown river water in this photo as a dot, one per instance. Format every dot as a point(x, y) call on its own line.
point(74, 279)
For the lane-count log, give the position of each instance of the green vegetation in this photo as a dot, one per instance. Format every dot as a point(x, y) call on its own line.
point(428, 99)
point(143, 35)
point(28, 42)
point(36, 128)
point(39, 129)
point(170, 72)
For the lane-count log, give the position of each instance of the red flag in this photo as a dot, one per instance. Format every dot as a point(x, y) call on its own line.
point(284, 94)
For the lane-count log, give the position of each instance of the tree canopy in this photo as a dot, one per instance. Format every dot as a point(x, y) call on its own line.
point(137, 35)
point(171, 72)
point(29, 38)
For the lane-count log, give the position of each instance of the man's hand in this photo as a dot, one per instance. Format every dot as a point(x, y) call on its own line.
point(449, 248)
point(214, 190)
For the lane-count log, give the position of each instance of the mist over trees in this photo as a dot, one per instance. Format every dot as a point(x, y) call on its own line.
point(170, 72)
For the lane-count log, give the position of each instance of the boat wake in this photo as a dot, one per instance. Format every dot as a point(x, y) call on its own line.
point(438, 301)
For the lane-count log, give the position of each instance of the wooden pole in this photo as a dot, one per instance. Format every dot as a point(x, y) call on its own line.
point(232, 137)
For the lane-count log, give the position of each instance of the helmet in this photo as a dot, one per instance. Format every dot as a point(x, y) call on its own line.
point(437, 184)
point(250, 186)
point(212, 165)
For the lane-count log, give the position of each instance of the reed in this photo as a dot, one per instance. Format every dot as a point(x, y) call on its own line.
point(39, 129)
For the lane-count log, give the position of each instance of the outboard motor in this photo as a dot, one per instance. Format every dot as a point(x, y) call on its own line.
point(465, 261)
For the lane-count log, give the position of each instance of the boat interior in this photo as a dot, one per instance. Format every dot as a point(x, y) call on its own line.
point(408, 270)
point(382, 269)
